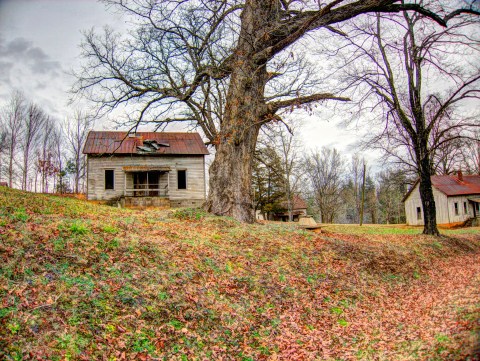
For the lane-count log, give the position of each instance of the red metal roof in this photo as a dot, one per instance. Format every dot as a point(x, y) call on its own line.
point(110, 142)
point(298, 203)
point(451, 185)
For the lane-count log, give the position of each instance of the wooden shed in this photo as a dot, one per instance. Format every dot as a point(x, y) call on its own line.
point(457, 200)
point(146, 168)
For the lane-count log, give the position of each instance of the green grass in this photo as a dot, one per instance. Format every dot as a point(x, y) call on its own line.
point(373, 229)
point(392, 229)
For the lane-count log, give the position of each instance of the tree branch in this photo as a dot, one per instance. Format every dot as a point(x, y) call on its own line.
point(273, 107)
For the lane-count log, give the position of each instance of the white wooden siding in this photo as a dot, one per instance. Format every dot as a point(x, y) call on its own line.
point(445, 208)
point(194, 165)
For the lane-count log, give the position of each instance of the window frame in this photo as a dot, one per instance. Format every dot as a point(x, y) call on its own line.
point(456, 209)
point(113, 180)
point(419, 213)
point(178, 179)
point(465, 207)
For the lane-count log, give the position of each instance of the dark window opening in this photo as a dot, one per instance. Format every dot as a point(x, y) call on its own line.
point(182, 179)
point(465, 208)
point(456, 208)
point(419, 213)
point(109, 179)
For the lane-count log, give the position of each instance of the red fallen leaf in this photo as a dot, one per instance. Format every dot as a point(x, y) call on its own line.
point(121, 329)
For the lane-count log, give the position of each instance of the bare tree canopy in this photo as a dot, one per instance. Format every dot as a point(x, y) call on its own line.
point(227, 66)
point(76, 129)
point(415, 76)
point(325, 169)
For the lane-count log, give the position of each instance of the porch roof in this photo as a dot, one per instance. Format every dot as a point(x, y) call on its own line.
point(144, 168)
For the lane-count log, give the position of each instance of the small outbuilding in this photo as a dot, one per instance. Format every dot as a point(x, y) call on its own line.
point(299, 209)
point(146, 168)
point(457, 200)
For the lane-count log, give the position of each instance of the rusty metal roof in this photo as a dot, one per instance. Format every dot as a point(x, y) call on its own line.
point(451, 185)
point(298, 203)
point(144, 143)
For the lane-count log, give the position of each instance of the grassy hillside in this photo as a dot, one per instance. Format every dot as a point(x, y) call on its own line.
point(86, 282)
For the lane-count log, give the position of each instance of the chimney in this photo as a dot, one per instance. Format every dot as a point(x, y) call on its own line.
point(460, 176)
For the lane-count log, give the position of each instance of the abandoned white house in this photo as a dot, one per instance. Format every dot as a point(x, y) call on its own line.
point(457, 200)
point(146, 168)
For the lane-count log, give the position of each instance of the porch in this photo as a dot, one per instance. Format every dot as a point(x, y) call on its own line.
point(475, 202)
point(143, 181)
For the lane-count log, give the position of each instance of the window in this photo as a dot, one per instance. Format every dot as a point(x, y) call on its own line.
point(109, 179)
point(465, 208)
point(182, 179)
point(456, 208)
point(419, 213)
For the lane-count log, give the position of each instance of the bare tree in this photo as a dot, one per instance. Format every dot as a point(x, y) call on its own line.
point(325, 170)
point(33, 122)
point(218, 64)
point(395, 56)
point(282, 138)
point(76, 130)
point(45, 162)
point(352, 189)
point(13, 115)
point(3, 146)
point(392, 186)
point(471, 155)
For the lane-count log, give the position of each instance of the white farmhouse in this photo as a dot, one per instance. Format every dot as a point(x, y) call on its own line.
point(146, 168)
point(457, 200)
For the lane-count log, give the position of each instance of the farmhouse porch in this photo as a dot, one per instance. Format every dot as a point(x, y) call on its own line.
point(142, 181)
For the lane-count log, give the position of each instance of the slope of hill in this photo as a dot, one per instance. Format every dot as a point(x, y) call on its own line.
point(86, 282)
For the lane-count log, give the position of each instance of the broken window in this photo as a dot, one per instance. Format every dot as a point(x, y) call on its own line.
point(182, 179)
point(109, 179)
point(419, 213)
point(456, 208)
point(465, 208)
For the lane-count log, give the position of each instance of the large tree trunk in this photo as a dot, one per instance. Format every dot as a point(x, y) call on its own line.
point(230, 179)
point(231, 171)
point(426, 191)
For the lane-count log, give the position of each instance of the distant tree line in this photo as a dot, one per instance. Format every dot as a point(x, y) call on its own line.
point(38, 152)
point(334, 185)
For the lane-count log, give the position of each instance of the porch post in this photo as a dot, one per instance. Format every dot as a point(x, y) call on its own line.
point(125, 185)
point(168, 183)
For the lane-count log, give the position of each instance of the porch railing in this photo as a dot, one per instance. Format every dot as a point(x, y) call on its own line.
point(144, 190)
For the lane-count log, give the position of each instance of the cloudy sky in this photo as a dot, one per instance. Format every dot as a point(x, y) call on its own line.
point(39, 47)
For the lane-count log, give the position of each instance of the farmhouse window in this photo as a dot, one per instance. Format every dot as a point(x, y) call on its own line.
point(456, 208)
point(419, 213)
point(109, 179)
point(182, 179)
point(465, 208)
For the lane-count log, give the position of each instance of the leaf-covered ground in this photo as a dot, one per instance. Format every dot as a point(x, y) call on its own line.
point(87, 282)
